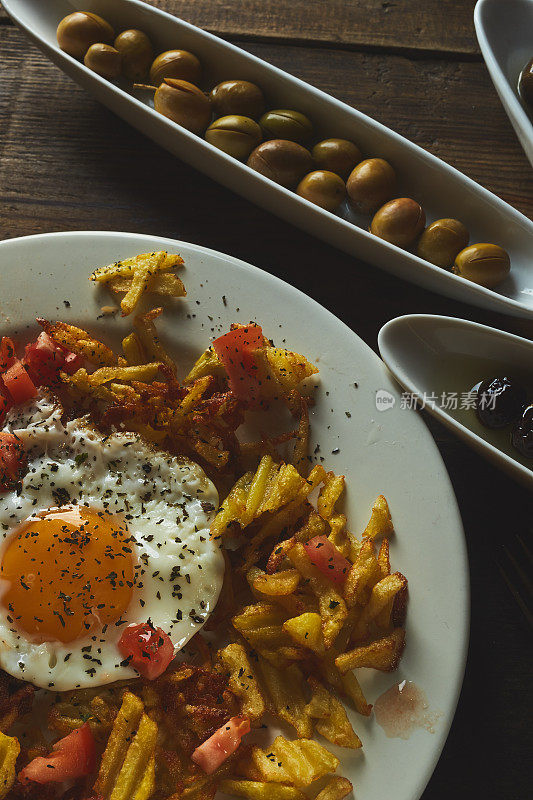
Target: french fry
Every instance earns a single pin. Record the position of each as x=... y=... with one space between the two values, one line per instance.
x=282 y=370
x=127 y=769
x=140 y=270
x=188 y=403
x=128 y=267
x=149 y=339
x=261 y=626
x=384 y=559
x=233 y=506
x=259 y=790
x=363 y=575
x=384 y=591
x=336 y=789
x=242 y=680
x=329 y=494
x=294 y=603
x=208 y=364
x=97 y=707
x=331 y=720
x=285 y=690
x=384 y=654
x=380 y=523
x=164 y=284
x=313 y=526
x=140 y=282
x=332 y=607
x=9 y=751
x=346 y=685
x=297 y=763
x=343 y=540
x=142 y=372
x=306 y=631
x=133 y=350
x=80 y=342
x=286 y=517
x=278 y=584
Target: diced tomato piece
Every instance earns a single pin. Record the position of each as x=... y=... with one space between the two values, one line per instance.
x=12 y=460
x=18 y=383
x=222 y=744
x=149 y=650
x=7 y=353
x=43 y=359
x=5 y=400
x=73 y=362
x=325 y=556
x=71 y=757
x=236 y=352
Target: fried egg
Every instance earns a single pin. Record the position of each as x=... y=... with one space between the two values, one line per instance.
x=102 y=532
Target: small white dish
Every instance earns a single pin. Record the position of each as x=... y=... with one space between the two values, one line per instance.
x=442 y=190
x=435 y=357
x=389 y=452
x=504 y=31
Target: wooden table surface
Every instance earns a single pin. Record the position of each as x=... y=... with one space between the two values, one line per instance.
x=67 y=163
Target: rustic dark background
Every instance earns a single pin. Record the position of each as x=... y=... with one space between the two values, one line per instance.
x=67 y=163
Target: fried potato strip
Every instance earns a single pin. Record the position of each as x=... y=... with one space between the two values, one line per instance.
x=127 y=770
x=384 y=654
x=331 y=720
x=297 y=763
x=259 y=790
x=145 y=272
x=242 y=680
x=149 y=338
x=80 y=342
x=380 y=523
x=336 y=789
x=9 y=751
x=332 y=607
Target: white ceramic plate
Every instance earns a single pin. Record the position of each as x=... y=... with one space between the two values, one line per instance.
x=430 y=354
x=505 y=34
x=389 y=452
x=442 y=190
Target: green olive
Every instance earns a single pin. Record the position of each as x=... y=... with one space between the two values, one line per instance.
x=486 y=264
x=235 y=135
x=399 y=221
x=104 y=60
x=137 y=53
x=282 y=123
x=525 y=83
x=184 y=103
x=325 y=189
x=176 y=64
x=441 y=241
x=336 y=155
x=238 y=97
x=282 y=161
x=371 y=184
x=77 y=32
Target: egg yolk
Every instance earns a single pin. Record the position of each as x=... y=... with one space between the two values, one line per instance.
x=66 y=572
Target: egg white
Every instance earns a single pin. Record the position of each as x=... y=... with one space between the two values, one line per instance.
x=167 y=503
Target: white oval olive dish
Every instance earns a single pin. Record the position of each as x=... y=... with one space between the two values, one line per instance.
x=440 y=359
x=505 y=35
x=442 y=190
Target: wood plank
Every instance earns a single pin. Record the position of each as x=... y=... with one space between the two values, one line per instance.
x=67 y=163
x=445 y=26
